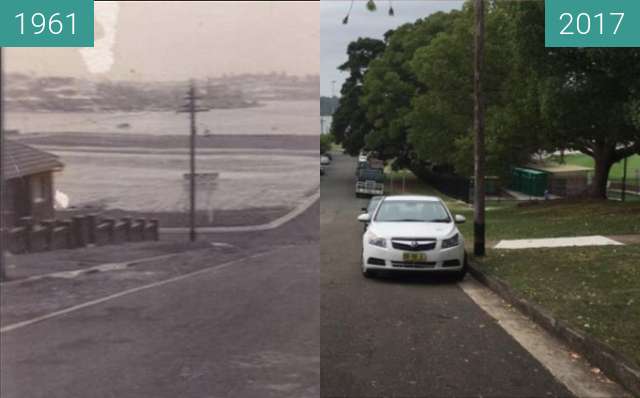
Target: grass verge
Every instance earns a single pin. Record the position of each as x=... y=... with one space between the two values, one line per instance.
x=633 y=164
x=512 y=220
x=595 y=289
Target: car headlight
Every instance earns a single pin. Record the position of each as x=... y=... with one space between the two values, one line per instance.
x=451 y=242
x=377 y=241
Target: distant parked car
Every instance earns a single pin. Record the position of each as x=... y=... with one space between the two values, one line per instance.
x=373 y=202
x=371 y=207
x=413 y=233
x=324 y=160
x=322 y=170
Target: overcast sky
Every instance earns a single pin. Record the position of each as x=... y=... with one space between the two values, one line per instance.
x=178 y=40
x=362 y=23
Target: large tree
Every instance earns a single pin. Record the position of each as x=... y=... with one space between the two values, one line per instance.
x=350 y=124
x=417 y=94
x=587 y=98
x=391 y=84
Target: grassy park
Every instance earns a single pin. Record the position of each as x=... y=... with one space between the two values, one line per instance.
x=633 y=164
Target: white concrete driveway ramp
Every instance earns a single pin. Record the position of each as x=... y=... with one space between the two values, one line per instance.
x=595 y=240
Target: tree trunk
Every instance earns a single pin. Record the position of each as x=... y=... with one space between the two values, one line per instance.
x=603 y=162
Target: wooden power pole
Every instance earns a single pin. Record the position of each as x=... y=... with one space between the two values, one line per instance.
x=191 y=108
x=2 y=154
x=478 y=128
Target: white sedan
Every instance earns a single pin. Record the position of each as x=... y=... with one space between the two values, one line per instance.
x=413 y=233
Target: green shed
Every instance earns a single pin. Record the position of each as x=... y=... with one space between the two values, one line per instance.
x=529 y=181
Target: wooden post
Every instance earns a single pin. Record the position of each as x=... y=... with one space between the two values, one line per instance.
x=127 y=228
x=27 y=224
x=77 y=227
x=624 y=180
x=3 y=231
x=66 y=224
x=192 y=164
x=111 y=229
x=91 y=228
x=478 y=127
x=49 y=226
x=155 y=225
x=142 y=224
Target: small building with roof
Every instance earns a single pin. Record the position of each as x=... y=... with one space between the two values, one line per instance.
x=29 y=182
x=564 y=179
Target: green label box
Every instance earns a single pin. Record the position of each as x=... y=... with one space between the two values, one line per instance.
x=592 y=23
x=46 y=23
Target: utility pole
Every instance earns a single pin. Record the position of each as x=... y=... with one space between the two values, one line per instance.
x=191 y=108
x=3 y=275
x=624 y=180
x=478 y=128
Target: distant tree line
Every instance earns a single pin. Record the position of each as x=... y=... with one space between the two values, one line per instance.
x=409 y=96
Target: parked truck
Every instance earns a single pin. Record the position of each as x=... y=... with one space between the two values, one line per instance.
x=370 y=178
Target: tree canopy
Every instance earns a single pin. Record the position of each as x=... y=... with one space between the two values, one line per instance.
x=411 y=98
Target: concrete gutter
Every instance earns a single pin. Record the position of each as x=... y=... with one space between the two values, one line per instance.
x=301 y=208
x=612 y=363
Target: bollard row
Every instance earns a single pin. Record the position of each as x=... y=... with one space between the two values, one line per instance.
x=81 y=231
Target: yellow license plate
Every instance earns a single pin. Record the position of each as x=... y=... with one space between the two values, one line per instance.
x=414 y=257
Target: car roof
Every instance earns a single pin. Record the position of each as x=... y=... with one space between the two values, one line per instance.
x=412 y=198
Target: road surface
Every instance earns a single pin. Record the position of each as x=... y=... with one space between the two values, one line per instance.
x=200 y=324
x=406 y=336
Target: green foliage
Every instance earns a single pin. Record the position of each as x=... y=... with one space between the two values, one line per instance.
x=350 y=124
x=371 y=5
x=325 y=142
x=390 y=86
x=416 y=96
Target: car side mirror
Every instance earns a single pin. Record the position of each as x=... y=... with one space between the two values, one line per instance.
x=460 y=219
x=364 y=217
x=364 y=209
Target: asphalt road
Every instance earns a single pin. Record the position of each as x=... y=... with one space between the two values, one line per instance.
x=406 y=336
x=245 y=324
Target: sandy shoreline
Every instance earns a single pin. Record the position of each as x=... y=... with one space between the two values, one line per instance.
x=118 y=175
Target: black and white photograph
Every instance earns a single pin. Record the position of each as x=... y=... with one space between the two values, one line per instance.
x=160 y=205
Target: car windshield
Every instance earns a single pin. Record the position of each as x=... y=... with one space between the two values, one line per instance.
x=373 y=203
x=412 y=211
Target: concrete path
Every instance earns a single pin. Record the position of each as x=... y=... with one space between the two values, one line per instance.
x=595 y=240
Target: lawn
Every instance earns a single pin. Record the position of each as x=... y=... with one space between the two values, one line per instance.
x=633 y=164
x=596 y=289
x=508 y=220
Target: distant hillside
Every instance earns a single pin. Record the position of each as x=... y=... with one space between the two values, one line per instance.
x=328 y=105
